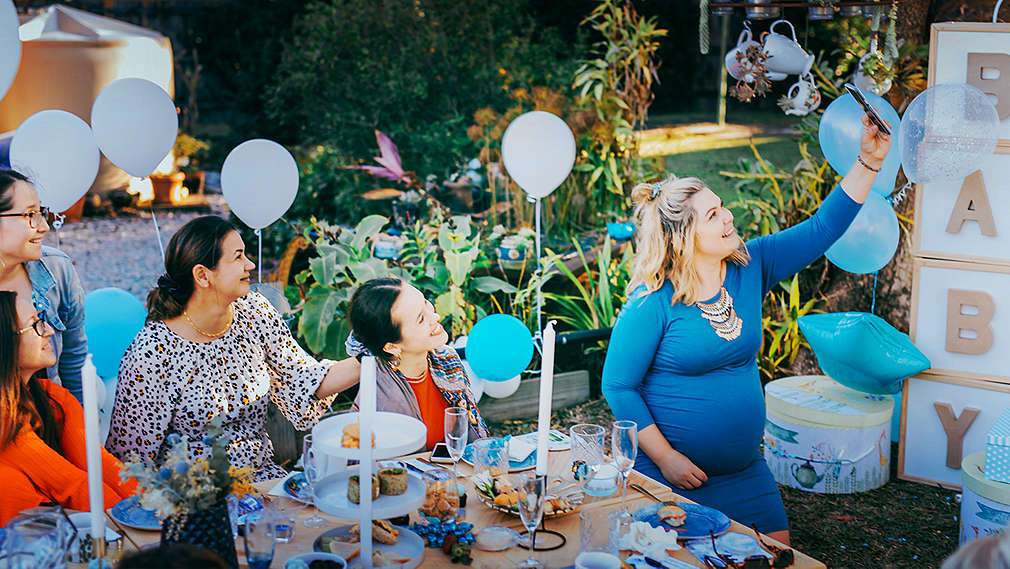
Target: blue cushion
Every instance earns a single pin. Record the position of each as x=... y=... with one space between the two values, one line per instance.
x=862 y=351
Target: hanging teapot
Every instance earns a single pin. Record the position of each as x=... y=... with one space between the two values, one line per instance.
x=785 y=54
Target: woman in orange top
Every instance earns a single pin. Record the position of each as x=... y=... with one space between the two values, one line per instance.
x=42 y=454
x=418 y=374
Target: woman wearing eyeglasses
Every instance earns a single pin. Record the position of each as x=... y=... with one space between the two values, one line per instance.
x=42 y=453
x=42 y=274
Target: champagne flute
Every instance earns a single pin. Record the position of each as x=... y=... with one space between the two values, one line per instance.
x=457 y=426
x=311 y=464
x=532 y=489
x=624 y=446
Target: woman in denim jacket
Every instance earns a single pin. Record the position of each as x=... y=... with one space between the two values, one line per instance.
x=47 y=274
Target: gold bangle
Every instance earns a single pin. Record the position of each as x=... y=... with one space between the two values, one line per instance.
x=867 y=166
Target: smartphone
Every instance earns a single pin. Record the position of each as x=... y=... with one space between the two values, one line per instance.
x=874 y=117
x=440 y=454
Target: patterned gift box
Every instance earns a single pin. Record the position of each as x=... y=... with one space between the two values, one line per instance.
x=997 y=449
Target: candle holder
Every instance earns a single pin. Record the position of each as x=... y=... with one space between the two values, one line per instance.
x=551 y=544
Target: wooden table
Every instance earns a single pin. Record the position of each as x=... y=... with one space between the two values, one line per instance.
x=482 y=516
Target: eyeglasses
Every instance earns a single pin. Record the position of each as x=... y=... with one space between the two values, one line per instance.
x=39 y=325
x=782 y=557
x=34 y=217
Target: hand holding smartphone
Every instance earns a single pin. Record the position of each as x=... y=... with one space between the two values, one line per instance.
x=870 y=111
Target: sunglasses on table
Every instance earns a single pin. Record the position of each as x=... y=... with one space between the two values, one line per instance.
x=783 y=557
x=39 y=325
x=34 y=217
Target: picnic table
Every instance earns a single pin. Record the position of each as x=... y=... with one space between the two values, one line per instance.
x=482 y=516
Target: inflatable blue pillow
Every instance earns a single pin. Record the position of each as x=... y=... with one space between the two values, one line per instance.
x=862 y=351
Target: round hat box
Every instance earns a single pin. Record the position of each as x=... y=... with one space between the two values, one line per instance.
x=985 y=504
x=823 y=437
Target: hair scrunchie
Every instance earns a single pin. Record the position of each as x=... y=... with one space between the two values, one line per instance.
x=167 y=284
x=655 y=190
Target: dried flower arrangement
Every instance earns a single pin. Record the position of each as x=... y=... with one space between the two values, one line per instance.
x=755 y=81
x=187 y=482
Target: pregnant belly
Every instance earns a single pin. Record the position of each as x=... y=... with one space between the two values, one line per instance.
x=716 y=421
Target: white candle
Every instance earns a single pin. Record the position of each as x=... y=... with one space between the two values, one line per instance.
x=366 y=416
x=96 y=497
x=546 y=394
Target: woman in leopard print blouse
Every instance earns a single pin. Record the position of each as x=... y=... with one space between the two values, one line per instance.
x=213 y=348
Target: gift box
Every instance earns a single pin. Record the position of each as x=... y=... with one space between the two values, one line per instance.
x=823 y=437
x=997 y=449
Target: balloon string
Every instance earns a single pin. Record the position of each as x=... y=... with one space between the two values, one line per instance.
x=540 y=270
x=995 y=12
x=899 y=195
x=259 y=258
x=873 y=302
x=157 y=231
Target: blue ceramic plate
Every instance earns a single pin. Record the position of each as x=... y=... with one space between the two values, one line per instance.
x=700 y=520
x=129 y=513
x=514 y=466
x=297 y=487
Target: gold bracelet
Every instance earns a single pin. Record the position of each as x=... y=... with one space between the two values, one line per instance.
x=867 y=166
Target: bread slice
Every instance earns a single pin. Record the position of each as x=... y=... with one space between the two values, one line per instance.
x=673 y=516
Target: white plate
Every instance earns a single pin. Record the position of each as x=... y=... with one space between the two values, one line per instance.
x=331 y=497
x=395 y=435
x=408 y=546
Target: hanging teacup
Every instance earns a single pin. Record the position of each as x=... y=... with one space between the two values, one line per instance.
x=803 y=97
x=737 y=62
x=785 y=54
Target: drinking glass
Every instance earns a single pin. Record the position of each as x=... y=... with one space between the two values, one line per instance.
x=597 y=544
x=457 y=427
x=311 y=464
x=259 y=539
x=587 y=457
x=624 y=446
x=490 y=455
x=34 y=543
x=532 y=489
x=283 y=510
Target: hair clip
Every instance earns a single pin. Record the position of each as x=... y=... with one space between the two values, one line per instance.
x=655 y=190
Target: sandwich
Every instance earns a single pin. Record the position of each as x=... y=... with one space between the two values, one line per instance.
x=673 y=516
x=382 y=532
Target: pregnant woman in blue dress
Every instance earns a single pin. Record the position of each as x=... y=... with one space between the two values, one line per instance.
x=682 y=360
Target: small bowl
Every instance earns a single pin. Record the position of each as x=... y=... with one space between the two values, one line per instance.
x=316 y=556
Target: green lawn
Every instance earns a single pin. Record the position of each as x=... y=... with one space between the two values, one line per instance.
x=706 y=164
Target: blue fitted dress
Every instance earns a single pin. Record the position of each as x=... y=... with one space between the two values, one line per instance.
x=667 y=366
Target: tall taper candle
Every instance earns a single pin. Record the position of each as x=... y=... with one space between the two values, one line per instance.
x=93 y=446
x=546 y=394
x=366 y=417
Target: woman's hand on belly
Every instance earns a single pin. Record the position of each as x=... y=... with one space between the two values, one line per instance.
x=680 y=471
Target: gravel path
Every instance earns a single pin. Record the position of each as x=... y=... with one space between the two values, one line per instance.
x=123 y=252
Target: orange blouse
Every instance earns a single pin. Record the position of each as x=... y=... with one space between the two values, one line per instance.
x=64 y=477
x=433 y=407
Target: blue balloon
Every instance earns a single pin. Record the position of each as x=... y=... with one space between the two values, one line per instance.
x=869 y=243
x=112 y=317
x=499 y=347
x=841 y=129
x=885 y=355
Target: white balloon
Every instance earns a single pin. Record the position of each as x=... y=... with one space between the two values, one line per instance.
x=476 y=383
x=135 y=124
x=259 y=180
x=501 y=389
x=57 y=151
x=10 y=45
x=538 y=150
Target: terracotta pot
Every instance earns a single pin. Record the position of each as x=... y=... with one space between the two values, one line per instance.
x=165 y=186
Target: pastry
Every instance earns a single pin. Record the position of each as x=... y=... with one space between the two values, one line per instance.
x=354 y=488
x=673 y=516
x=352 y=432
x=382 y=532
x=392 y=481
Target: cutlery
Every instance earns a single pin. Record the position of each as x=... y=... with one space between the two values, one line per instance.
x=653 y=496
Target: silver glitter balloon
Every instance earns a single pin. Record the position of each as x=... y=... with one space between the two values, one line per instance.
x=946 y=132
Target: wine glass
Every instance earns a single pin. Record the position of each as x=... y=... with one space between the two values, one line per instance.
x=532 y=489
x=311 y=464
x=457 y=427
x=624 y=446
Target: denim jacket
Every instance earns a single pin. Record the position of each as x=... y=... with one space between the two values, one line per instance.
x=57 y=292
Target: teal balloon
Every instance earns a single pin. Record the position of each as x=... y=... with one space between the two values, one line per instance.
x=499 y=347
x=862 y=351
x=112 y=318
x=869 y=243
x=841 y=129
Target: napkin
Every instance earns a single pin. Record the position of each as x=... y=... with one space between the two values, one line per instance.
x=639 y=562
x=520 y=449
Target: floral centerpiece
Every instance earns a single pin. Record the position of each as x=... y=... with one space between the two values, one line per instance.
x=190 y=490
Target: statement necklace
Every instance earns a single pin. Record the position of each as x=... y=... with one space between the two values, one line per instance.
x=722 y=317
x=231 y=318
